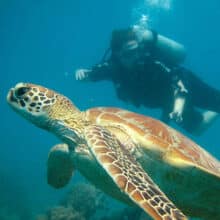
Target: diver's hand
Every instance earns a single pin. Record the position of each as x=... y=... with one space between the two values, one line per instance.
x=177 y=113
x=82 y=74
x=176 y=116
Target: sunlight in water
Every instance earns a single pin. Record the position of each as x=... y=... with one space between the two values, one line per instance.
x=147 y=12
x=163 y=4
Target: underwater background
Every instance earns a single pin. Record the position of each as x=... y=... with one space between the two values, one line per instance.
x=45 y=41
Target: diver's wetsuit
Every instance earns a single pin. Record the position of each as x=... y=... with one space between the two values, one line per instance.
x=152 y=84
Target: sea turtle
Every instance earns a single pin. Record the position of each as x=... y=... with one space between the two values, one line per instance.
x=133 y=158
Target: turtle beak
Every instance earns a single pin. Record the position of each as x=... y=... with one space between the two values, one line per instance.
x=11 y=98
x=15 y=93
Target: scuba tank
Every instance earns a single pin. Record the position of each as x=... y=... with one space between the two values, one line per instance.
x=161 y=47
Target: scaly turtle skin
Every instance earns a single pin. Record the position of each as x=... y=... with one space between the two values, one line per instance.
x=133 y=158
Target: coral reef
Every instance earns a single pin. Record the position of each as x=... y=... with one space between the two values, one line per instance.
x=80 y=203
x=61 y=213
x=85 y=202
x=84 y=198
x=64 y=213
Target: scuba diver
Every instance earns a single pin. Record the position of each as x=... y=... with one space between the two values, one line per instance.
x=145 y=69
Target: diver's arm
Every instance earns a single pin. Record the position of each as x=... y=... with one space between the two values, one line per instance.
x=96 y=73
x=180 y=95
x=178 y=108
x=179 y=92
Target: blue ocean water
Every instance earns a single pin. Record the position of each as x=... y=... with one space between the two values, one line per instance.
x=44 y=42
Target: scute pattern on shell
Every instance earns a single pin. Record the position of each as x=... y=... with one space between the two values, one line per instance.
x=128 y=174
x=172 y=144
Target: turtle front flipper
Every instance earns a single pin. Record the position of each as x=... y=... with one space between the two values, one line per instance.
x=59 y=166
x=129 y=176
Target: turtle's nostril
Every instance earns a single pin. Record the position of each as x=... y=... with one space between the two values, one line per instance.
x=21 y=91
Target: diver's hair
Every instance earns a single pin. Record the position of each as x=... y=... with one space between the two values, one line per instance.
x=121 y=36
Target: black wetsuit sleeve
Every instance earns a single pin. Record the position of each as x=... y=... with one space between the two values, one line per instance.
x=102 y=71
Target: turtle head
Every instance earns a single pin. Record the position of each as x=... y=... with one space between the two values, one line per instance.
x=43 y=107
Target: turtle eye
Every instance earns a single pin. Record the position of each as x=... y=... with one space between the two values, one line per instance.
x=21 y=91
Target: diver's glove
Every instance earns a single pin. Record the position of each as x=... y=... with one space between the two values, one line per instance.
x=82 y=74
x=180 y=95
